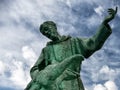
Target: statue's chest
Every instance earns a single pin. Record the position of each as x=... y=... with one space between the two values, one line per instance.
x=61 y=51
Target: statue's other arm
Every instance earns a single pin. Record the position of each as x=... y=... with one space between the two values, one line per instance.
x=94 y=43
x=39 y=65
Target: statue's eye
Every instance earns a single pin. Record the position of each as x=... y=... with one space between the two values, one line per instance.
x=45 y=28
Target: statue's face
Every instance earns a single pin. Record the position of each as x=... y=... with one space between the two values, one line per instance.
x=50 y=31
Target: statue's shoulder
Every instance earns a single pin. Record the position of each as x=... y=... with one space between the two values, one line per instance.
x=64 y=38
x=79 y=39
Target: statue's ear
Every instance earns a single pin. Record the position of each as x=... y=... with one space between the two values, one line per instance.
x=42 y=65
x=116 y=9
x=41 y=28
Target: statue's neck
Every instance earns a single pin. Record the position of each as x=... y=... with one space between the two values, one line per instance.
x=61 y=38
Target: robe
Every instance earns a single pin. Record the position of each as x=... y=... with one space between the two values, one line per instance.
x=55 y=52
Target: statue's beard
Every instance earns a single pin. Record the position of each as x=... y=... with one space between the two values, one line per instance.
x=54 y=37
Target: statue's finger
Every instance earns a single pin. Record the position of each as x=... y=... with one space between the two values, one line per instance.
x=110 y=9
x=116 y=9
x=110 y=12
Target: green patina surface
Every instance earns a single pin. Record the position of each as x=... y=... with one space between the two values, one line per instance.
x=59 y=64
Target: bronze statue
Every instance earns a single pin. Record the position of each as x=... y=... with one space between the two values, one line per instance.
x=59 y=64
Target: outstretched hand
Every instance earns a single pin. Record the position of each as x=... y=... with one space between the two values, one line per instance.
x=112 y=12
x=111 y=15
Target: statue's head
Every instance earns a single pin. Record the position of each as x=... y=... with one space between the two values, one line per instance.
x=49 y=29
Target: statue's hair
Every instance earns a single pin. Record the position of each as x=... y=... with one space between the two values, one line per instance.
x=47 y=23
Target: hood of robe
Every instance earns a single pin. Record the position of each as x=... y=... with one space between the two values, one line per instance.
x=63 y=38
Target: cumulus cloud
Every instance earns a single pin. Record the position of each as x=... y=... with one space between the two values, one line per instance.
x=99 y=87
x=18 y=74
x=29 y=55
x=107 y=73
x=13 y=74
x=2 y=67
x=99 y=10
x=109 y=85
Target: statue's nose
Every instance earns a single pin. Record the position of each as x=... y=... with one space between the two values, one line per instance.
x=46 y=32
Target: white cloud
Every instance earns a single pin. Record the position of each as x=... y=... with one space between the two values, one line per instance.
x=18 y=76
x=2 y=68
x=106 y=69
x=29 y=55
x=107 y=73
x=104 y=73
x=99 y=87
x=99 y=10
x=13 y=73
x=110 y=85
x=68 y=3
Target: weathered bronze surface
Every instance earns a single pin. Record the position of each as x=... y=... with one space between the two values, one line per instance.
x=59 y=64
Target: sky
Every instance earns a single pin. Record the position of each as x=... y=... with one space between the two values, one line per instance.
x=21 y=42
